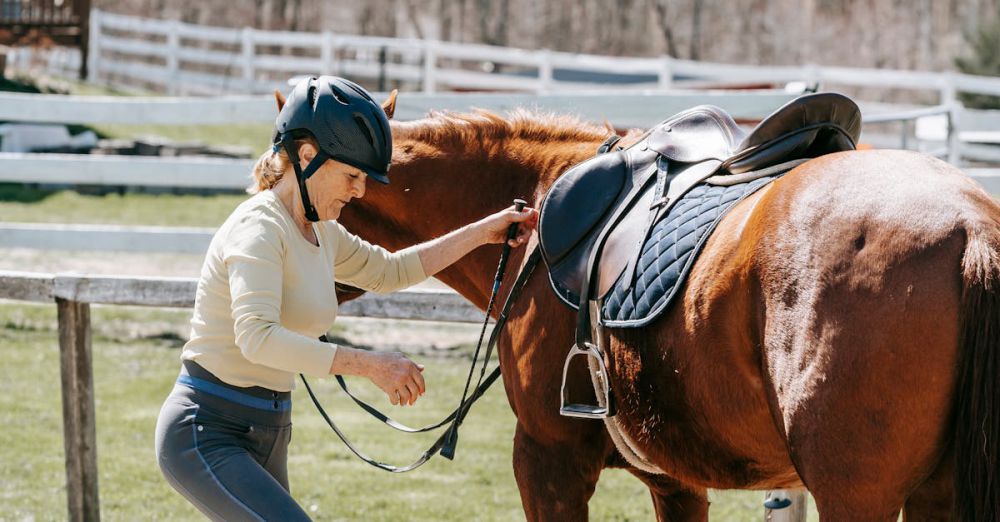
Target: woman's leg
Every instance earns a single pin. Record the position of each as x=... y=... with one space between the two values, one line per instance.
x=204 y=456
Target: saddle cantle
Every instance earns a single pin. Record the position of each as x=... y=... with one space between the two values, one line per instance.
x=597 y=216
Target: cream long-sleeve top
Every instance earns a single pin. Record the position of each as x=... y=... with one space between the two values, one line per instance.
x=266 y=294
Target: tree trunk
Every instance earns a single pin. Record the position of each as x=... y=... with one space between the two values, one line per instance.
x=695 y=51
x=660 y=10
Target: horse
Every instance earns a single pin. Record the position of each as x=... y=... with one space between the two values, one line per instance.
x=838 y=332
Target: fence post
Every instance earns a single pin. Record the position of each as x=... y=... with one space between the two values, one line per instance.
x=248 y=50
x=544 y=71
x=93 y=56
x=954 y=139
x=666 y=74
x=949 y=98
x=79 y=426
x=173 y=46
x=430 y=66
x=796 y=512
x=326 y=53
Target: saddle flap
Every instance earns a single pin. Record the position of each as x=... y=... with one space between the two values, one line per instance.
x=697 y=134
x=577 y=202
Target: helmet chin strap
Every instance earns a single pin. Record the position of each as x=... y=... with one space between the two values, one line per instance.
x=302 y=176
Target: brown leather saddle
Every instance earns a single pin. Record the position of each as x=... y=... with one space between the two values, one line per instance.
x=595 y=217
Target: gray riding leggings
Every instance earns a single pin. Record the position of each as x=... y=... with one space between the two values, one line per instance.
x=225 y=448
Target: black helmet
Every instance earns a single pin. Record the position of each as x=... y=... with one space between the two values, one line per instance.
x=348 y=125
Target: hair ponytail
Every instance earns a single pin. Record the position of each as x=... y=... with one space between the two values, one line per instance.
x=272 y=165
x=268 y=170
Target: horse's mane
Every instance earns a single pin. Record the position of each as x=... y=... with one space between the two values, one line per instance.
x=445 y=127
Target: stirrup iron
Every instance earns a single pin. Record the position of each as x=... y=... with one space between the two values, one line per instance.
x=605 y=406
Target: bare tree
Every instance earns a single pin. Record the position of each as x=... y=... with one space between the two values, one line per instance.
x=695 y=50
x=663 y=22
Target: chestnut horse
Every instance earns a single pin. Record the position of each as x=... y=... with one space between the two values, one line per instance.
x=838 y=332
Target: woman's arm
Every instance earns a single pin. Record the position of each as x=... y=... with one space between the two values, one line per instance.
x=373 y=268
x=437 y=254
x=397 y=376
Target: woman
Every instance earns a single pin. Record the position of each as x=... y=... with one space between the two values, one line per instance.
x=266 y=293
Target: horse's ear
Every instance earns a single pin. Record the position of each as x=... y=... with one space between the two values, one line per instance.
x=280 y=98
x=389 y=106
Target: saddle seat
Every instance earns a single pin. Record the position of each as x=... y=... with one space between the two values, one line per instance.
x=700 y=143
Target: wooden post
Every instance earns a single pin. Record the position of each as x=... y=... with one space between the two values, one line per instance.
x=79 y=427
x=82 y=8
x=544 y=71
x=954 y=139
x=326 y=54
x=173 y=61
x=430 y=66
x=793 y=513
x=92 y=54
x=248 y=50
x=665 y=76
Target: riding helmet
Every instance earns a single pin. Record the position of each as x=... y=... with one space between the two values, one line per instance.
x=348 y=124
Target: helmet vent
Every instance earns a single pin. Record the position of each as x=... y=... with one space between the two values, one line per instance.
x=312 y=96
x=360 y=91
x=339 y=95
x=363 y=125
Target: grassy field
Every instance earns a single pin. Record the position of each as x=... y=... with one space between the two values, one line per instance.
x=252 y=135
x=66 y=206
x=135 y=362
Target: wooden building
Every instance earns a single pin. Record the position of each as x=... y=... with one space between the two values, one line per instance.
x=45 y=23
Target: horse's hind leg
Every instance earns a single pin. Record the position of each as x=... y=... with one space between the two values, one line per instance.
x=934 y=498
x=674 y=501
x=556 y=479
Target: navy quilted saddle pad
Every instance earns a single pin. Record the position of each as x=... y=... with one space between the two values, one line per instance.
x=669 y=253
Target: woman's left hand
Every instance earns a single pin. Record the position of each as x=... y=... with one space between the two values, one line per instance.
x=496 y=225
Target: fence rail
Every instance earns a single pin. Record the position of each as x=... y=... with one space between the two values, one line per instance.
x=635 y=109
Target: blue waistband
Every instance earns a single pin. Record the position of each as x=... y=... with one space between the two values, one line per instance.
x=233 y=395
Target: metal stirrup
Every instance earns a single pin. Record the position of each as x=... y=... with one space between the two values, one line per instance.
x=605 y=406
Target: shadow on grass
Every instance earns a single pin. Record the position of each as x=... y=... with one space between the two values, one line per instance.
x=170 y=340
x=21 y=193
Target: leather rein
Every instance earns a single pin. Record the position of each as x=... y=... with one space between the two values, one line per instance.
x=447 y=442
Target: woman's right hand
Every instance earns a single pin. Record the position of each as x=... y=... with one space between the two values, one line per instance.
x=399 y=377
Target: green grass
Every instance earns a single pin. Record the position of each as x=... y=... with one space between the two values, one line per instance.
x=18 y=203
x=256 y=136
x=135 y=361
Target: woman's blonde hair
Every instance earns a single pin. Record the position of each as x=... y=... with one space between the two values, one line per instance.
x=272 y=165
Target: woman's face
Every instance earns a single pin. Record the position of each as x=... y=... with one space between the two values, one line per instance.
x=334 y=185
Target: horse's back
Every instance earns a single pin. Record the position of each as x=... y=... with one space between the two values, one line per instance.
x=859 y=260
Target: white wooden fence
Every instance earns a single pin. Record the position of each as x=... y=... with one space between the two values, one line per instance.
x=176 y=57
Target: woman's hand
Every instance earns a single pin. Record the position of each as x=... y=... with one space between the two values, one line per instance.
x=495 y=226
x=439 y=253
x=399 y=377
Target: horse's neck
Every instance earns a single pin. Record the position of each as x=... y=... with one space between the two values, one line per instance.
x=431 y=196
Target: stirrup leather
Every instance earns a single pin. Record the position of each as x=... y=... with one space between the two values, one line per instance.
x=605 y=406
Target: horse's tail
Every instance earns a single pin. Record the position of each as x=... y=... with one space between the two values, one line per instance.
x=977 y=415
